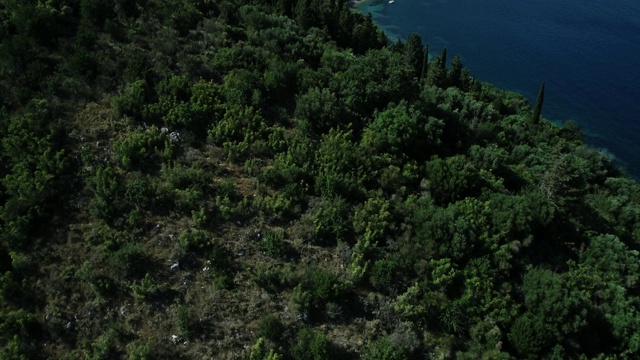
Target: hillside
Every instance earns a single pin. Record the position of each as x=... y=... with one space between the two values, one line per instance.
x=271 y=180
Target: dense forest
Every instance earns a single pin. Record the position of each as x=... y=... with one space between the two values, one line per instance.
x=265 y=179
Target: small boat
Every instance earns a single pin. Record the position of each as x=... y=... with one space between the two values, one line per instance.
x=392 y=1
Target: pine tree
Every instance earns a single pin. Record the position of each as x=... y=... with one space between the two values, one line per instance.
x=535 y=118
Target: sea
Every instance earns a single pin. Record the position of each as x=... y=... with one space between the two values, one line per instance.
x=586 y=52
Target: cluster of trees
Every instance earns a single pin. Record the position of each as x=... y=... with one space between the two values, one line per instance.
x=173 y=171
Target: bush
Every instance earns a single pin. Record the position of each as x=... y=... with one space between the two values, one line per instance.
x=140 y=350
x=142 y=150
x=132 y=100
x=107 y=191
x=129 y=257
x=146 y=288
x=187 y=322
x=311 y=345
x=316 y=288
x=273 y=244
x=332 y=222
x=271 y=328
x=260 y=351
x=272 y=279
x=193 y=240
x=382 y=349
x=385 y=275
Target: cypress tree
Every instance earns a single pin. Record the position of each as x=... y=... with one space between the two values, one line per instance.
x=425 y=62
x=535 y=118
x=444 y=59
x=414 y=53
x=455 y=74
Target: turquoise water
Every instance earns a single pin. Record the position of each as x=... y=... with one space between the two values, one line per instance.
x=587 y=52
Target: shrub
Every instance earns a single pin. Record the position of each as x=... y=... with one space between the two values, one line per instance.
x=131 y=101
x=140 y=350
x=271 y=328
x=187 y=322
x=193 y=240
x=316 y=288
x=145 y=149
x=272 y=279
x=382 y=349
x=146 y=288
x=273 y=244
x=331 y=221
x=310 y=345
x=259 y=351
x=107 y=191
x=130 y=258
x=384 y=275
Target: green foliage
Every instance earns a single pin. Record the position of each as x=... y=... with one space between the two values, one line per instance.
x=316 y=288
x=338 y=170
x=241 y=130
x=144 y=149
x=612 y=260
x=146 y=288
x=331 y=222
x=450 y=179
x=403 y=130
x=271 y=328
x=128 y=257
x=259 y=351
x=371 y=223
x=551 y=302
x=194 y=240
x=382 y=349
x=273 y=244
x=132 y=100
x=537 y=108
x=447 y=221
x=414 y=53
x=273 y=279
x=310 y=345
x=140 y=350
x=34 y=166
x=19 y=323
x=106 y=346
x=102 y=286
x=376 y=79
x=107 y=190
x=385 y=274
x=319 y=110
x=530 y=336
x=186 y=321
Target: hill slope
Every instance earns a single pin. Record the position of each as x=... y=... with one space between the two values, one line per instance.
x=268 y=179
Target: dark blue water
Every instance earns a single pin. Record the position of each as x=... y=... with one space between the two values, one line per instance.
x=587 y=52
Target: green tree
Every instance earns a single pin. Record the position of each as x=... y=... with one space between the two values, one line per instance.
x=414 y=53
x=458 y=75
x=425 y=63
x=537 y=108
x=319 y=110
x=450 y=179
x=311 y=345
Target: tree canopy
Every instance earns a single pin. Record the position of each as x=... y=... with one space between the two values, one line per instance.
x=274 y=180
